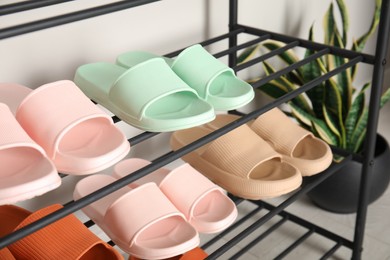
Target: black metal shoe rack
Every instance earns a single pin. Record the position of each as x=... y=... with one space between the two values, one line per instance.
x=378 y=61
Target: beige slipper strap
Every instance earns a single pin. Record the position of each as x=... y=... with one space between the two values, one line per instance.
x=279 y=130
x=239 y=151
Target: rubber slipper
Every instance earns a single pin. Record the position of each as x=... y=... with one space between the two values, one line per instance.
x=75 y=134
x=240 y=162
x=297 y=146
x=141 y=221
x=195 y=254
x=148 y=96
x=25 y=170
x=65 y=239
x=204 y=204
x=5 y=254
x=213 y=80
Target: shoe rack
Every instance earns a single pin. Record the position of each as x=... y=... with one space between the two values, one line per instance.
x=378 y=61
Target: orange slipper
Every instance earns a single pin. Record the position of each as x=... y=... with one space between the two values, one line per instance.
x=195 y=254
x=5 y=254
x=65 y=239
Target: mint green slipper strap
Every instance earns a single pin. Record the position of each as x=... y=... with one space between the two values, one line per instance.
x=198 y=68
x=136 y=89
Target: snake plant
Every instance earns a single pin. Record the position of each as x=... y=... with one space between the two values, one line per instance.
x=335 y=110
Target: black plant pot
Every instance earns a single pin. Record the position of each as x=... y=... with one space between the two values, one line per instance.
x=339 y=193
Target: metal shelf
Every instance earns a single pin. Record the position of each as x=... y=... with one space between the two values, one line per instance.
x=272 y=211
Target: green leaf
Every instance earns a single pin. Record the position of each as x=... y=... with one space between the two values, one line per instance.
x=361 y=42
x=283 y=81
x=355 y=112
x=331 y=121
x=324 y=132
x=344 y=19
x=312 y=71
x=359 y=131
x=319 y=126
x=247 y=54
x=358 y=135
x=273 y=89
x=333 y=103
x=288 y=57
x=385 y=97
x=344 y=81
x=329 y=25
x=354 y=68
x=333 y=100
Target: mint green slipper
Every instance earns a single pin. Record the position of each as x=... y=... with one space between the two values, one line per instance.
x=149 y=96
x=215 y=82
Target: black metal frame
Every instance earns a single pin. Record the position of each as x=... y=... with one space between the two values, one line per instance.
x=378 y=61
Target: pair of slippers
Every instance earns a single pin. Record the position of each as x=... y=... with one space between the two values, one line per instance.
x=52 y=128
x=65 y=239
x=264 y=158
x=157 y=216
x=160 y=94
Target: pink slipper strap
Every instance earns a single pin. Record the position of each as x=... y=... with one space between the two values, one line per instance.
x=66 y=238
x=185 y=187
x=275 y=127
x=136 y=210
x=239 y=152
x=50 y=111
x=11 y=133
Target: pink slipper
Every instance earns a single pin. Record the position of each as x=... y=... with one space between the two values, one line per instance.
x=75 y=134
x=141 y=221
x=204 y=204
x=297 y=146
x=25 y=170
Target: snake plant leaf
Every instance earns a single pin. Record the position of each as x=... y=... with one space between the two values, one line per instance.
x=300 y=100
x=247 y=54
x=310 y=71
x=360 y=128
x=354 y=68
x=344 y=80
x=329 y=24
x=344 y=19
x=318 y=125
x=358 y=135
x=289 y=58
x=355 y=112
x=333 y=99
x=333 y=110
x=374 y=24
x=331 y=121
x=358 y=45
x=385 y=97
x=274 y=89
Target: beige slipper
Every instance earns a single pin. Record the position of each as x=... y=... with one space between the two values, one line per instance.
x=297 y=146
x=240 y=162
